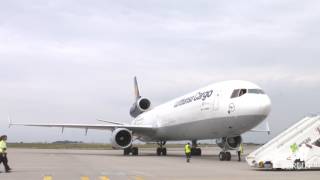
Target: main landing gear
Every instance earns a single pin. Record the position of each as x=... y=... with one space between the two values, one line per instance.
x=161 y=150
x=224 y=156
x=131 y=150
x=195 y=151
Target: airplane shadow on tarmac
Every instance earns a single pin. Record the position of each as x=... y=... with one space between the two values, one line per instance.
x=211 y=157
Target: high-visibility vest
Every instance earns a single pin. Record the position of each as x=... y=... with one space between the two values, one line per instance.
x=187 y=148
x=3 y=146
x=241 y=149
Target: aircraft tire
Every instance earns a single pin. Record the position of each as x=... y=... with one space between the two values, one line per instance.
x=196 y=151
x=228 y=156
x=135 y=151
x=164 y=151
x=222 y=156
x=159 y=151
x=126 y=151
x=199 y=151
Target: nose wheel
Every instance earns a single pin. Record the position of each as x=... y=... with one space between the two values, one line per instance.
x=224 y=156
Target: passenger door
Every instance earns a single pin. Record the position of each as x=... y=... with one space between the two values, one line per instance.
x=216 y=102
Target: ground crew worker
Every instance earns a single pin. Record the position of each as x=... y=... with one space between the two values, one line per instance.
x=187 y=150
x=3 y=153
x=240 y=151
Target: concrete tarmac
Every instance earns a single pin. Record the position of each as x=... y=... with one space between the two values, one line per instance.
x=40 y=164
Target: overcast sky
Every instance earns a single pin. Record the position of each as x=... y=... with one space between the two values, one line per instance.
x=72 y=61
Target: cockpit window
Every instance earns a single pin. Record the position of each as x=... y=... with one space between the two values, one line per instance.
x=235 y=93
x=242 y=92
x=255 y=91
x=238 y=93
x=317 y=143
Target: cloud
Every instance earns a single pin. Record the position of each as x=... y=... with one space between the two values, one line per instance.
x=66 y=61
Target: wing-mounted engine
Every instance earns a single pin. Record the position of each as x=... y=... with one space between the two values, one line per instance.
x=229 y=143
x=141 y=105
x=121 y=138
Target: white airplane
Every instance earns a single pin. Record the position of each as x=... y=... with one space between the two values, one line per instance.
x=221 y=111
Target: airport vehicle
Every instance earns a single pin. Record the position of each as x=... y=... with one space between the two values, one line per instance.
x=221 y=111
x=298 y=147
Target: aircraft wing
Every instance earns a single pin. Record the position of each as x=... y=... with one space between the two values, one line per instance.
x=134 y=128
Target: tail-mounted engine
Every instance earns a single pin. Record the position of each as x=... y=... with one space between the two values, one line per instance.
x=142 y=105
x=121 y=138
x=229 y=143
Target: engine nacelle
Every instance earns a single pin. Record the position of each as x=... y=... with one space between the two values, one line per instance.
x=139 y=107
x=121 y=138
x=229 y=143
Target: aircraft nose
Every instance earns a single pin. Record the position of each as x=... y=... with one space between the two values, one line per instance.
x=265 y=106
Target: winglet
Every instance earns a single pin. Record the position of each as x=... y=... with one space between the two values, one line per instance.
x=136 y=88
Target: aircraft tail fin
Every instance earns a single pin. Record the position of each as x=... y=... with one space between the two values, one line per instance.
x=141 y=104
x=136 y=89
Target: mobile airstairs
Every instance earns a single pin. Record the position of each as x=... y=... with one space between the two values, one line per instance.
x=298 y=147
